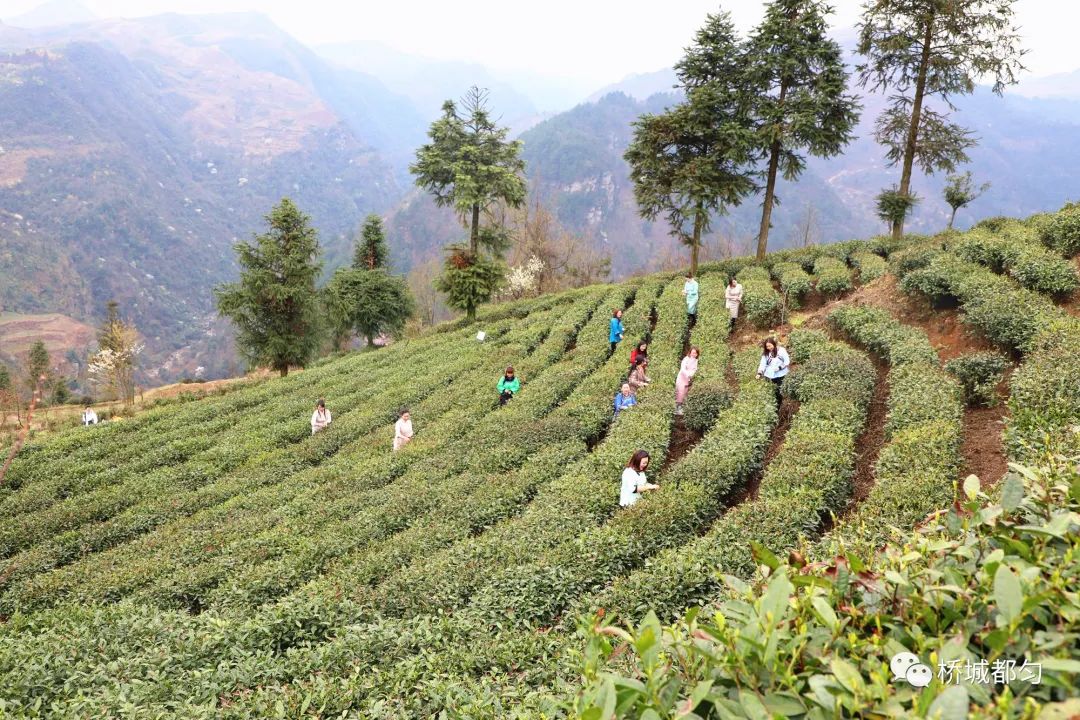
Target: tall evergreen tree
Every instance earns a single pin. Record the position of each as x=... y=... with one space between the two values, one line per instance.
x=922 y=49
x=801 y=103
x=371 y=251
x=5 y=379
x=367 y=298
x=697 y=158
x=107 y=332
x=275 y=306
x=38 y=363
x=470 y=165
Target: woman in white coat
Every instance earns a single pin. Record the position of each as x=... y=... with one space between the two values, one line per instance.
x=634 y=482
x=732 y=300
x=403 y=431
x=320 y=418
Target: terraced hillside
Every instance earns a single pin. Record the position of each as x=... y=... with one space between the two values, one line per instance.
x=216 y=559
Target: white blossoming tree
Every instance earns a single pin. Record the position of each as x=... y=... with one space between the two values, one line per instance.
x=523 y=280
x=113 y=366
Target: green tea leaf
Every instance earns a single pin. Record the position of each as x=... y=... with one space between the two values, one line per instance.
x=952 y=704
x=1008 y=595
x=1012 y=492
x=847 y=675
x=763 y=556
x=971 y=487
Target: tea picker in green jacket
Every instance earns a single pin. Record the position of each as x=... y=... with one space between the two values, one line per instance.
x=690 y=290
x=508 y=386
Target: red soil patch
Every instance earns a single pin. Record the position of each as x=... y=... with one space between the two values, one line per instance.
x=983 y=447
x=682 y=442
x=947 y=333
x=872 y=438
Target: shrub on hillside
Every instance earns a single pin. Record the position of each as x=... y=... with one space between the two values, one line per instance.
x=1015 y=250
x=979 y=375
x=913 y=258
x=761 y=303
x=794 y=282
x=877 y=330
x=869 y=265
x=1044 y=399
x=833 y=276
x=1061 y=230
x=816 y=641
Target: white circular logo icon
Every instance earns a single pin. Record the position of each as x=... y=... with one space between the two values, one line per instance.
x=901 y=663
x=919 y=675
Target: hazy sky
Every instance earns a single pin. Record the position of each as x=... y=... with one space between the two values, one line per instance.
x=596 y=40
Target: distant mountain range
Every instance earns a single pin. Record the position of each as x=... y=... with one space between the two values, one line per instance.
x=134 y=153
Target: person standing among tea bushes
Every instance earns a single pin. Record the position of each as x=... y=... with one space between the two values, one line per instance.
x=732 y=300
x=320 y=418
x=687 y=370
x=403 y=431
x=634 y=482
x=774 y=363
x=508 y=386
x=690 y=290
x=615 y=331
x=641 y=351
x=89 y=417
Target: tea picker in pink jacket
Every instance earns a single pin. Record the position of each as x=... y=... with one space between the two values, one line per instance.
x=687 y=370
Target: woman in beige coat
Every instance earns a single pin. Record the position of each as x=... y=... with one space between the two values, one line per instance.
x=732 y=300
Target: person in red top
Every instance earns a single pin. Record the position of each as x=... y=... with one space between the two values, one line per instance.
x=641 y=351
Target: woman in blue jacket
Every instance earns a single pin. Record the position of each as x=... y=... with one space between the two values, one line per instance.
x=615 y=334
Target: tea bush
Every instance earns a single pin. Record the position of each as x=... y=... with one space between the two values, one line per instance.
x=869 y=265
x=979 y=375
x=985 y=581
x=761 y=302
x=1015 y=249
x=832 y=275
x=794 y=282
x=1060 y=231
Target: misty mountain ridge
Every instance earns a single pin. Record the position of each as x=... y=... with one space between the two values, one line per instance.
x=136 y=152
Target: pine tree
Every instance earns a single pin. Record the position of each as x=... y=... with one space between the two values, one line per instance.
x=470 y=165
x=366 y=298
x=5 y=379
x=371 y=251
x=107 y=332
x=38 y=362
x=697 y=158
x=922 y=49
x=801 y=103
x=275 y=306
